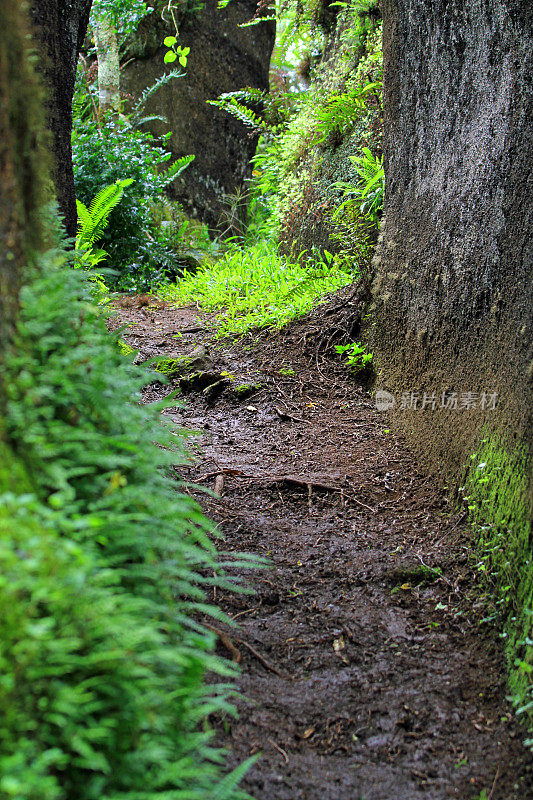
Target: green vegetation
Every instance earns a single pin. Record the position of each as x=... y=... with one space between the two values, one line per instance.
x=367 y=195
x=496 y=491
x=257 y=288
x=104 y=565
x=356 y=357
x=109 y=144
x=103 y=569
x=93 y=221
x=105 y=153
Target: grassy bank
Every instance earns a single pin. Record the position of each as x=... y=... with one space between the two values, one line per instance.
x=496 y=491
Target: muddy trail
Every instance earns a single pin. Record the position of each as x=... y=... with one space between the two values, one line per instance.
x=367 y=673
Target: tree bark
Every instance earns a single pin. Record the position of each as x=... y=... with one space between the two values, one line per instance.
x=23 y=165
x=60 y=27
x=453 y=292
x=105 y=36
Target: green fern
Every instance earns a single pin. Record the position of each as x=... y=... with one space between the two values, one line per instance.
x=176 y=169
x=136 y=119
x=268 y=122
x=94 y=220
x=368 y=194
x=342 y=110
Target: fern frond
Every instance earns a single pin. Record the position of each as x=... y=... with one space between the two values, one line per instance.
x=84 y=216
x=176 y=169
x=138 y=108
x=92 y=221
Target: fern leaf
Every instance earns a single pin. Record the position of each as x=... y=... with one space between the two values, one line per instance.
x=92 y=221
x=176 y=169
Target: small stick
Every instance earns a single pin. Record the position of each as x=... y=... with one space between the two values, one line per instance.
x=197 y=329
x=432 y=569
x=246 y=611
x=363 y=505
x=263 y=660
x=216 y=473
x=494 y=783
x=228 y=644
x=286 y=415
x=226 y=641
x=280 y=750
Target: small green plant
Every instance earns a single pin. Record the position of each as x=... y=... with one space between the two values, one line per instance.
x=175 y=51
x=93 y=220
x=257 y=288
x=355 y=356
x=367 y=194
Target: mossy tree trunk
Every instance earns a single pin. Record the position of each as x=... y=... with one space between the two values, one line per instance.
x=23 y=165
x=60 y=27
x=105 y=36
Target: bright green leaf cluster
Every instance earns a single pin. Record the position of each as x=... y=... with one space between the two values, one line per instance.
x=175 y=52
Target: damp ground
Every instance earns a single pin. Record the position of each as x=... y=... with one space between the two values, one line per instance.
x=367 y=671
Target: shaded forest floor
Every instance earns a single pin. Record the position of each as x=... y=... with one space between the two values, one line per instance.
x=366 y=673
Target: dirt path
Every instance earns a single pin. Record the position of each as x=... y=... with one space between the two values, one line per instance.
x=366 y=672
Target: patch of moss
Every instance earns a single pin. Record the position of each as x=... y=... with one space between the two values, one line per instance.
x=246 y=389
x=172 y=366
x=497 y=491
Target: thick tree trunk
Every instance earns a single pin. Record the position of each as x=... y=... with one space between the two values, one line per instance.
x=105 y=36
x=23 y=167
x=453 y=289
x=61 y=26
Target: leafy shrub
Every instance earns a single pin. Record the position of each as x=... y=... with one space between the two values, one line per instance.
x=105 y=154
x=102 y=566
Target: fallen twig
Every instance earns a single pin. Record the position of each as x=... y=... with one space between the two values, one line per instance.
x=196 y=329
x=228 y=644
x=246 y=611
x=494 y=783
x=219 y=484
x=279 y=749
x=263 y=660
x=226 y=641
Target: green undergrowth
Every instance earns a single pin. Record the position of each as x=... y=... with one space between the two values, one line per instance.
x=497 y=494
x=257 y=288
x=103 y=572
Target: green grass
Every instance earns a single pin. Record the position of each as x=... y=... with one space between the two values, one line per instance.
x=257 y=288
